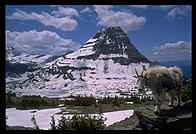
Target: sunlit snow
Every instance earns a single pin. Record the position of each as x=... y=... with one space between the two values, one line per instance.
x=43 y=117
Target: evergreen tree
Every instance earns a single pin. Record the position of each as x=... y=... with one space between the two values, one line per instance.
x=34 y=123
x=52 y=123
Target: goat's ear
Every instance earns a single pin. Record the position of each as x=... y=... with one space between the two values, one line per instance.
x=145 y=75
x=136 y=72
x=142 y=73
x=135 y=76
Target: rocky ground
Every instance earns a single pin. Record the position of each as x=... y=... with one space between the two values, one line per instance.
x=176 y=118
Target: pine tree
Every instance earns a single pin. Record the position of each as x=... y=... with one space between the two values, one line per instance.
x=52 y=123
x=34 y=123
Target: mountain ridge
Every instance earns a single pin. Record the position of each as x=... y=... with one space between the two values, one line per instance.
x=103 y=66
x=111 y=41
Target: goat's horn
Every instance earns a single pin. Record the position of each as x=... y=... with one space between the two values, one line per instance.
x=136 y=72
x=145 y=75
x=142 y=73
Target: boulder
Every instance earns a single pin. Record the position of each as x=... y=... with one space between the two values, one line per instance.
x=177 y=117
x=144 y=118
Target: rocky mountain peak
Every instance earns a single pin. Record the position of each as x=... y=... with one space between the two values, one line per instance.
x=113 y=41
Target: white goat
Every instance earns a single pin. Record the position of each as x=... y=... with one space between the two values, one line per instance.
x=162 y=80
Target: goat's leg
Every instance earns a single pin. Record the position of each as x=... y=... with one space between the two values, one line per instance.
x=171 y=98
x=157 y=107
x=157 y=104
x=179 y=100
x=178 y=93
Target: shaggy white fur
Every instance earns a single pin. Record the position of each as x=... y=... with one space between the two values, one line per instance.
x=162 y=80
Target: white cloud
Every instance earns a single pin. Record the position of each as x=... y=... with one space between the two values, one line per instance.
x=140 y=6
x=155 y=53
x=86 y=10
x=126 y=20
x=65 y=12
x=180 y=50
x=63 y=23
x=176 y=11
x=103 y=7
x=39 y=42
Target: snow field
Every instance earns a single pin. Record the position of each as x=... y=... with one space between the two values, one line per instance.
x=108 y=78
x=25 y=58
x=43 y=117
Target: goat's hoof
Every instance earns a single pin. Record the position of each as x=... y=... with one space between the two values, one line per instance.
x=156 y=112
x=170 y=105
x=179 y=105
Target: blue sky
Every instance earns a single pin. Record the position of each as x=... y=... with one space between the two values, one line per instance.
x=159 y=32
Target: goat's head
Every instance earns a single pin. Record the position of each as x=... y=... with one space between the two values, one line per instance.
x=141 y=80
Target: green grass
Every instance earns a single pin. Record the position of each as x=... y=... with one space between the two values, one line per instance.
x=31 y=102
x=98 y=108
x=85 y=104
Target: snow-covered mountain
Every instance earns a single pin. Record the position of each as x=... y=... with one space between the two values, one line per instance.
x=111 y=43
x=14 y=56
x=18 y=63
x=103 y=66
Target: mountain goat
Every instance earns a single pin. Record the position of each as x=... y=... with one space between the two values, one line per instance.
x=162 y=80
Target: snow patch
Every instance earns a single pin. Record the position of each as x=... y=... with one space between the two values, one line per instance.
x=25 y=58
x=113 y=117
x=43 y=117
x=91 y=40
x=113 y=55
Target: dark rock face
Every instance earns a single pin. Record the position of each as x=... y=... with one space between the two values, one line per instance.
x=176 y=118
x=114 y=41
x=20 y=68
x=170 y=118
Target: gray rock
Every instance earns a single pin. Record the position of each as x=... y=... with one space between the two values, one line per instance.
x=175 y=118
x=168 y=118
